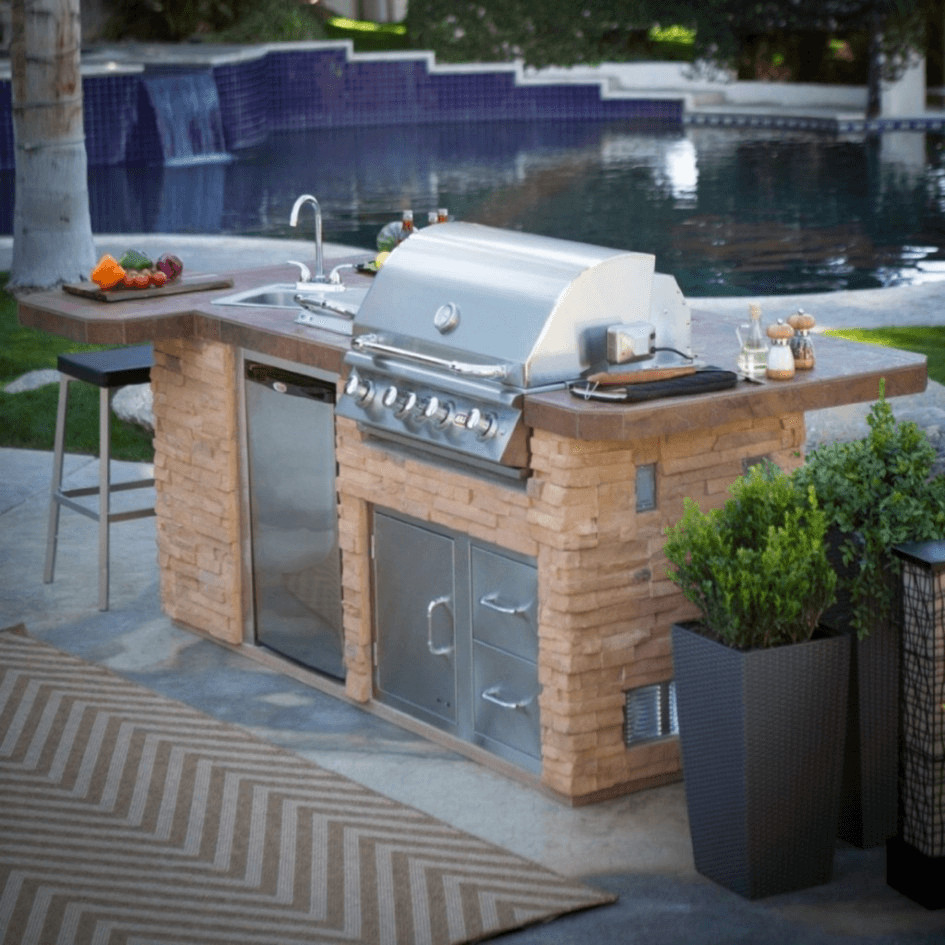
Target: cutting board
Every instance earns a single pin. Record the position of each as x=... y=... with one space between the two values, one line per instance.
x=642 y=376
x=186 y=283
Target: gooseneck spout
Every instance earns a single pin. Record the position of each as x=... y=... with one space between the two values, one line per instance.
x=319 y=252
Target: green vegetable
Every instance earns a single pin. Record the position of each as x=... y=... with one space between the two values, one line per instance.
x=135 y=260
x=389 y=236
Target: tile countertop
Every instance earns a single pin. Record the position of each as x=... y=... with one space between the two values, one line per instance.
x=846 y=372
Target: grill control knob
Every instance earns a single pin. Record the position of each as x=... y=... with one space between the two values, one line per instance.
x=401 y=404
x=483 y=425
x=359 y=390
x=438 y=413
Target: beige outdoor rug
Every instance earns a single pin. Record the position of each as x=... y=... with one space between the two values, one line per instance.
x=127 y=817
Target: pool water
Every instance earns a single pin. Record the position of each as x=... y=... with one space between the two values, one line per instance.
x=726 y=211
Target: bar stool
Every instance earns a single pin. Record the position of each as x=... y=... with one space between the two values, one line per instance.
x=107 y=370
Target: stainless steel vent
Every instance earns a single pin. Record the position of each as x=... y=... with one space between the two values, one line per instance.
x=650 y=713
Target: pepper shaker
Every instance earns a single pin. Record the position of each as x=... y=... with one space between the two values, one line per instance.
x=780 y=357
x=801 y=344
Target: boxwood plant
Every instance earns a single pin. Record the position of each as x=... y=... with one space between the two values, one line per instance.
x=876 y=492
x=757 y=567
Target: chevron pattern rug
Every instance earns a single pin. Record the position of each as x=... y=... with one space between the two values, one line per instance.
x=126 y=817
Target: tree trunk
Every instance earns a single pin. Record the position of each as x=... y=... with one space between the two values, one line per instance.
x=52 y=230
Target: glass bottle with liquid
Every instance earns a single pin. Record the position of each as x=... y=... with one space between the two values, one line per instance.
x=753 y=346
x=406 y=225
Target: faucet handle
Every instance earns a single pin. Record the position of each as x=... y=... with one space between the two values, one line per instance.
x=305 y=274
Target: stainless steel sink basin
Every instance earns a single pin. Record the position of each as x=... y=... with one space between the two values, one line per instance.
x=331 y=308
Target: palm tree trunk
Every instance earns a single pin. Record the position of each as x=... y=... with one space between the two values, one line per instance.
x=52 y=230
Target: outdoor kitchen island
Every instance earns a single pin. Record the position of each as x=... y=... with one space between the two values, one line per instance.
x=582 y=526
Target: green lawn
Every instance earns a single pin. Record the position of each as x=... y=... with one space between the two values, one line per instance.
x=927 y=341
x=28 y=420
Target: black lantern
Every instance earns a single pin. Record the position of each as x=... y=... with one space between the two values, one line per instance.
x=915 y=858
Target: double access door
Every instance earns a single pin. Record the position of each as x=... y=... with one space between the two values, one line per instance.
x=456 y=635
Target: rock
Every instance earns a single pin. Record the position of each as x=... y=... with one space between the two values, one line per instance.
x=135 y=404
x=32 y=380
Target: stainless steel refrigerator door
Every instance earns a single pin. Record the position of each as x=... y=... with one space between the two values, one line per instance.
x=293 y=517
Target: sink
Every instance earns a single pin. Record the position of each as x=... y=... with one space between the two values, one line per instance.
x=332 y=308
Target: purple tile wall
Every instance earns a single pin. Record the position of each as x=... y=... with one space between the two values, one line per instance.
x=292 y=89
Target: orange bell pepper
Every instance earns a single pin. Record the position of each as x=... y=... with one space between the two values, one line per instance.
x=107 y=273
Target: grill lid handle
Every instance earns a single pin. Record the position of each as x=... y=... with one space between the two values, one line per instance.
x=371 y=343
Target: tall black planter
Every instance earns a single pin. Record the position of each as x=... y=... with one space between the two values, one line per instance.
x=762 y=735
x=869 y=794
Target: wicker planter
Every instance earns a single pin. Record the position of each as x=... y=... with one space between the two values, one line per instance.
x=762 y=736
x=869 y=794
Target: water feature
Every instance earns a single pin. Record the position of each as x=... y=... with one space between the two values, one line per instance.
x=728 y=212
x=187 y=115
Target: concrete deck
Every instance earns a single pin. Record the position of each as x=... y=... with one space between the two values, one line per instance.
x=637 y=847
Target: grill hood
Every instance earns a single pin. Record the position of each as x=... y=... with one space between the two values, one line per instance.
x=480 y=295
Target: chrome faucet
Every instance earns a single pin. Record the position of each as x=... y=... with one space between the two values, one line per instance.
x=319 y=252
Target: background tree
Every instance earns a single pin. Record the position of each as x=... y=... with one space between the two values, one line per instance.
x=559 y=33
x=893 y=32
x=52 y=230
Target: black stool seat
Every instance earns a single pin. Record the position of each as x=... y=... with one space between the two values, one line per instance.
x=106 y=370
x=116 y=367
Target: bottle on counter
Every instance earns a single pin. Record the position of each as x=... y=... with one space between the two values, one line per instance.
x=406 y=225
x=442 y=215
x=432 y=217
x=753 y=352
x=801 y=344
x=780 y=357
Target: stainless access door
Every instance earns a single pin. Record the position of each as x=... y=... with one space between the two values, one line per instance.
x=417 y=607
x=293 y=516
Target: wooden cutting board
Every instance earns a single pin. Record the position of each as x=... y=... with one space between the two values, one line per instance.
x=186 y=283
x=642 y=376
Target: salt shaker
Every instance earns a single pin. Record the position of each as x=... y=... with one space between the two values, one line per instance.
x=801 y=344
x=780 y=357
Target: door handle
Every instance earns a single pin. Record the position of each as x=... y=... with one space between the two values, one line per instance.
x=492 y=695
x=494 y=602
x=431 y=609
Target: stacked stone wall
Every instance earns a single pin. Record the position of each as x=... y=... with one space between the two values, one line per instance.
x=196 y=471
x=605 y=603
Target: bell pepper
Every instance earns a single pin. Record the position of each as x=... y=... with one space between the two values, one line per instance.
x=107 y=272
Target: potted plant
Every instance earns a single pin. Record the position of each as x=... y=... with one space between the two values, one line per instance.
x=876 y=492
x=760 y=688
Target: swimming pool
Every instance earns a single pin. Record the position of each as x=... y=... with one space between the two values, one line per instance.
x=727 y=211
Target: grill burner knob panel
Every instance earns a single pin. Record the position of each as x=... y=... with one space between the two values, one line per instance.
x=361 y=391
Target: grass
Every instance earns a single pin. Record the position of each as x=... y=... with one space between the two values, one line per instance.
x=927 y=341
x=368 y=36
x=28 y=419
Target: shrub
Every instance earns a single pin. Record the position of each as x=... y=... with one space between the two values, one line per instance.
x=877 y=491
x=756 y=567
x=562 y=34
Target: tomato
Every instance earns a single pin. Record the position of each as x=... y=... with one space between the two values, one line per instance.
x=158 y=278
x=142 y=279
x=128 y=280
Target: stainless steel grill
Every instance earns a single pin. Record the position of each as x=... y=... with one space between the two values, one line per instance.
x=463 y=320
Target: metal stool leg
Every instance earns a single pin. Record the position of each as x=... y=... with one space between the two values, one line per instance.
x=104 y=493
x=52 y=530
